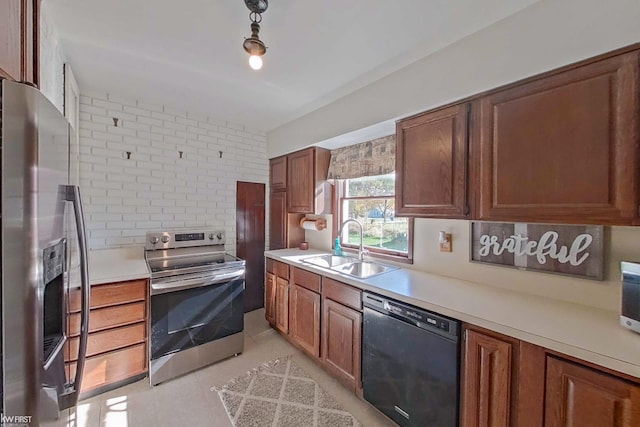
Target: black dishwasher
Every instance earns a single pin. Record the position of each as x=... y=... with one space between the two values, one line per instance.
x=410 y=363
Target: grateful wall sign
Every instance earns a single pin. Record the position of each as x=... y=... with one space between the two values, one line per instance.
x=575 y=250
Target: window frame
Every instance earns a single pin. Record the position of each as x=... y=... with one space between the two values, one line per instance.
x=339 y=186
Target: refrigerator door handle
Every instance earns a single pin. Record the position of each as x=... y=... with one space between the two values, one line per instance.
x=70 y=396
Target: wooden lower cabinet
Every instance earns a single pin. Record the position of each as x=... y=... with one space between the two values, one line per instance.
x=578 y=396
x=270 y=298
x=282 y=305
x=117 y=341
x=507 y=382
x=113 y=367
x=486 y=390
x=342 y=342
x=277 y=294
x=304 y=319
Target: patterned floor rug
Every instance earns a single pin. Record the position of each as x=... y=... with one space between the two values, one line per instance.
x=280 y=394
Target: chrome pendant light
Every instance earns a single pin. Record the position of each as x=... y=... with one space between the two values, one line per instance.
x=253 y=45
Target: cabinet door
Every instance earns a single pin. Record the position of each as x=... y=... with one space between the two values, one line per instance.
x=304 y=319
x=270 y=298
x=341 y=341
x=486 y=386
x=19 y=40
x=278 y=173
x=282 y=305
x=563 y=148
x=300 y=181
x=431 y=161
x=11 y=39
x=577 y=396
x=278 y=220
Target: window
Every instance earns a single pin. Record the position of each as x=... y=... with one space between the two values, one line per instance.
x=371 y=201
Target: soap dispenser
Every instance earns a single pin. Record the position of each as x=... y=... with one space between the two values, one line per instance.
x=337 y=249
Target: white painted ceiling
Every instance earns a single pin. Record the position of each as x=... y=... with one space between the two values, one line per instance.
x=188 y=53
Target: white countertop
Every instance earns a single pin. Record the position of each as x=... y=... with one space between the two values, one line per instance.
x=587 y=333
x=117 y=265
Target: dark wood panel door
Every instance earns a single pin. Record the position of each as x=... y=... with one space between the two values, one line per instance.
x=304 y=319
x=341 y=342
x=577 y=396
x=486 y=390
x=563 y=148
x=300 y=181
x=278 y=173
x=250 y=240
x=282 y=305
x=270 y=298
x=431 y=164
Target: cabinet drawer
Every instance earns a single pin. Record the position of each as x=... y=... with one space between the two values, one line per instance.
x=111 y=339
x=281 y=269
x=109 y=317
x=111 y=294
x=111 y=367
x=306 y=279
x=270 y=265
x=342 y=293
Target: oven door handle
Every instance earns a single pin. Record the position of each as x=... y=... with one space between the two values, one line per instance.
x=178 y=285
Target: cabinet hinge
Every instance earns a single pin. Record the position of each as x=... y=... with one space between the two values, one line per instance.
x=638 y=210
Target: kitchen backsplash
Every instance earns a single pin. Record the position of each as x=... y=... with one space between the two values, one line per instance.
x=158 y=187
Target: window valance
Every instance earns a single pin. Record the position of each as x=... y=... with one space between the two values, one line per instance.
x=375 y=157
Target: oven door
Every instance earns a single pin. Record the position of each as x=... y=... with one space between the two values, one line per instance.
x=193 y=316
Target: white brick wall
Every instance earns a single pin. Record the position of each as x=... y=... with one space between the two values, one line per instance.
x=155 y=188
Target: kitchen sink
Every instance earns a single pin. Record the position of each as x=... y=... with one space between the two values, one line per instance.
x=329 y=261
x=363 y=269
x=350 y=266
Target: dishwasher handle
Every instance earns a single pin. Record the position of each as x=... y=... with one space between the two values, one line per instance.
x=423 y=319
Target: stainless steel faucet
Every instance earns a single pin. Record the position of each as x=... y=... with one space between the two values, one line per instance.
x=362 y=250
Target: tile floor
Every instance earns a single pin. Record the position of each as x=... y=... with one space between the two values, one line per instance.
x=189 y=401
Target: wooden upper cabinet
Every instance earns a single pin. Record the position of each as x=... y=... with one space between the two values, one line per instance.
x=278 y=220
x=278 y=173
x=308 y=191
x=284 y=228
x=577 y=396
x=432 y=164
x=563 y=148
x=19 y=40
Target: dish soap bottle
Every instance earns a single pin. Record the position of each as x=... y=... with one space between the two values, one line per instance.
x=337 y=249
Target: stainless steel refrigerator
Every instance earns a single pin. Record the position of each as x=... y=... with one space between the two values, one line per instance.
x=41 y=215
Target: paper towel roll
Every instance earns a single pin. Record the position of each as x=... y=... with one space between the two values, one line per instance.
x=313 y=224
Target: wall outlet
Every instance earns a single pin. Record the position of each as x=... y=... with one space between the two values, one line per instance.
x=446 y=243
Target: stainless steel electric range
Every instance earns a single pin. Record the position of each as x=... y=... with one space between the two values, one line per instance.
x=196 y=302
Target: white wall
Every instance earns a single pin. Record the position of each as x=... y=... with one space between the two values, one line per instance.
x=546 y=35
x=52 y=60
x=155 y=189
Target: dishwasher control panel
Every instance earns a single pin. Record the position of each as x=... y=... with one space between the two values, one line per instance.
x=422 y=318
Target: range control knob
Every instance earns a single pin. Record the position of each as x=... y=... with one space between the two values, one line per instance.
x=154 y=240
x=219 y=236
x=165 y=239
x=211 y=236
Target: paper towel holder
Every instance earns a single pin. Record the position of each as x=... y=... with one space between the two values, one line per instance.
x=313 y=224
